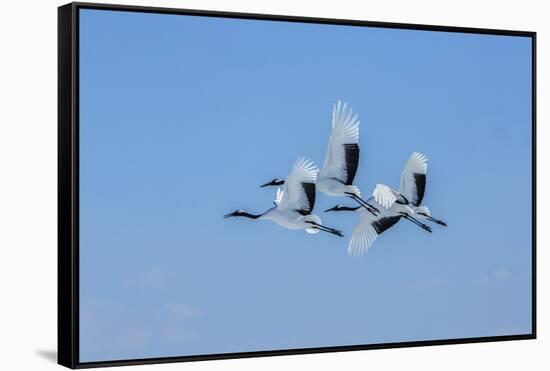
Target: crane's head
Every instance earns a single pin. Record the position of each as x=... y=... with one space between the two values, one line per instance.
x=246 y=214
x=235 y=213
x=274 y=182
x=340 y=207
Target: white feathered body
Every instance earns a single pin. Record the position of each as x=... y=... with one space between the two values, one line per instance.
x=291 y=219
x=292 y=197
x=333 y=187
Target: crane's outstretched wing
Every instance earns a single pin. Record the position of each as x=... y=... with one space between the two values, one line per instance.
x=342 y=158
x=299 y=189
x=367 y=230
x=413 y=178
x=384 y=195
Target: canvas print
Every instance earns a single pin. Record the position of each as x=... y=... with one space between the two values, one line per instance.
x=254 y=185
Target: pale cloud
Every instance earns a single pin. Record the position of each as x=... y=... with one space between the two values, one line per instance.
x=502 y=274
x=111 y=329
x=182 y=311
x=153 y=278
x=176 y=335
x=433 y=283
x=134 y=338
x=498 y=274
x=482 y=280
x=108 y=327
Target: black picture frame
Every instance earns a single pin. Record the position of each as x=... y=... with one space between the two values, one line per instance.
x=68 y=183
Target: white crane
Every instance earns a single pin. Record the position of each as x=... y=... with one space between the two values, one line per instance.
x=369 y=226
x=342 y=158
x=411 y=188
x=294 y=202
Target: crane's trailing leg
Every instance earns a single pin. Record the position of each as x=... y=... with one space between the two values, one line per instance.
x=371 y=209
x=420 y=224
x=440 y=222
x=325 y=229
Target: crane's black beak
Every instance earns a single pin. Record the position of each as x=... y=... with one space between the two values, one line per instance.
x=440 y=222
x=274 y=182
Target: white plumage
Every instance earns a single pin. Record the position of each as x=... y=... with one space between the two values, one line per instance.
x=295 y=199
x=392 y=206
x=412 y=185
x=339 y=168
x=411 y=188
x=384 y=195
x=342 y=157
x=369 y=227
x=413 y=178
x=294 y=202
x=295 y=195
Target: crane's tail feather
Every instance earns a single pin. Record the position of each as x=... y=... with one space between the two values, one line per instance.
x=312 y=230
x=312 y=218
x=422 y=210
x=315 y=222
x=354 y=189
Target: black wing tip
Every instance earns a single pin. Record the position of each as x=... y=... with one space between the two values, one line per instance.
x=384 y=224
x=420 y=183
x=309 y=189
x=352 y=161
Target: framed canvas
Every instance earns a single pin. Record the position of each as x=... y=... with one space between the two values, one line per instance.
x=239 y=185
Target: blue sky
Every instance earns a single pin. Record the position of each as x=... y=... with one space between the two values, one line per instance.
x=182 y=118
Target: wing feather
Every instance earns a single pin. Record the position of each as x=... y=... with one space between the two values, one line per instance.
x=384 y=195
x=299 y=187
x=413 y=178
x=278 y=196
x=367 y=231
x=342 y=158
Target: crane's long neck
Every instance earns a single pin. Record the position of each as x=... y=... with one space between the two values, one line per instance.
x=249 y=215
x=348 y=208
